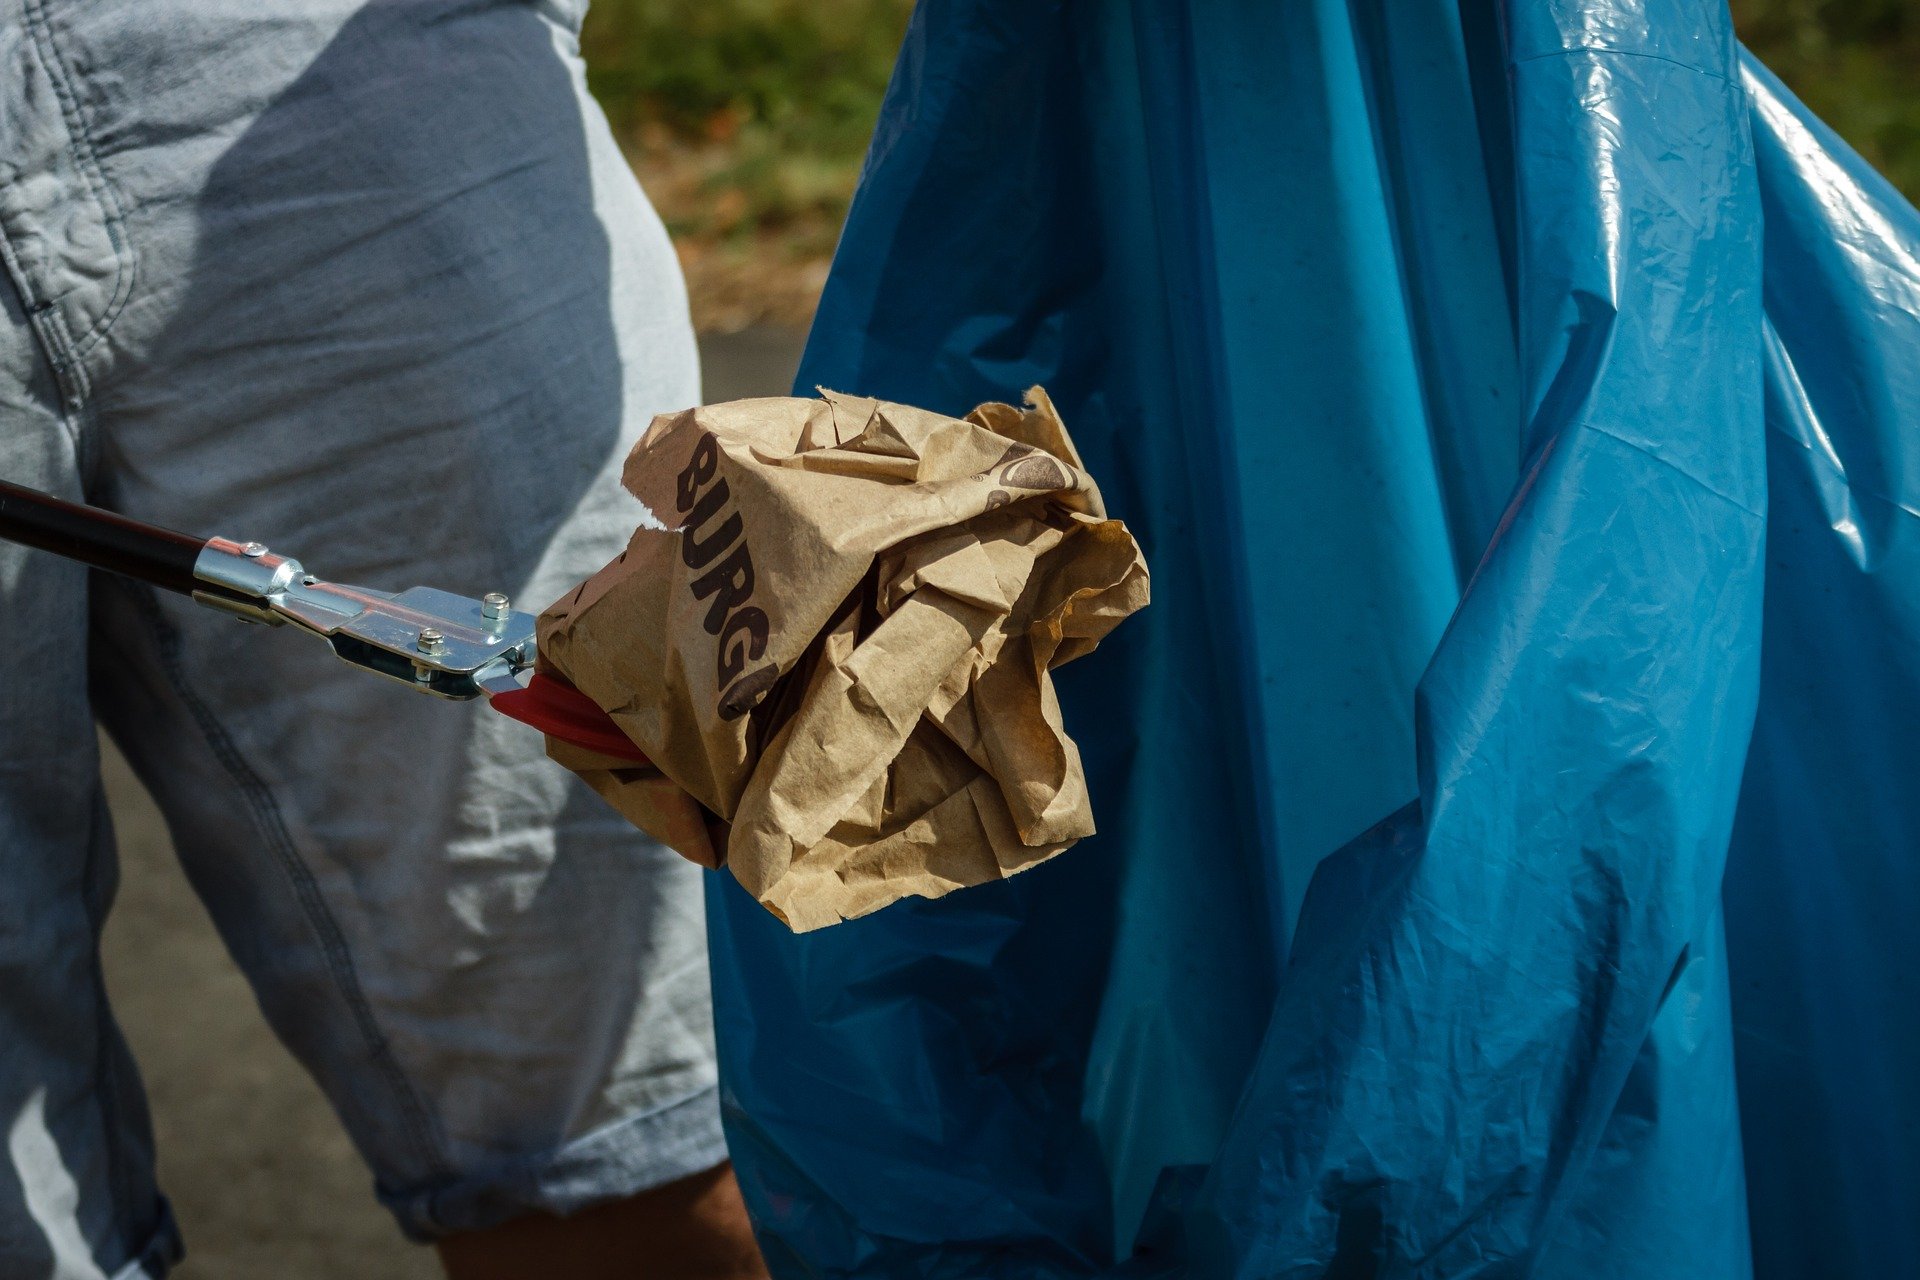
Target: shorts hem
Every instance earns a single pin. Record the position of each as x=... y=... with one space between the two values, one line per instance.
x=162 y=1252
x=621 y=1159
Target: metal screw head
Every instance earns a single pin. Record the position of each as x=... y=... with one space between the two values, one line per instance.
x=254 y=550
x=495 y=604
x=431 y=641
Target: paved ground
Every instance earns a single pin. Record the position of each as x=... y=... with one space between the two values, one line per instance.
x=264 y=1181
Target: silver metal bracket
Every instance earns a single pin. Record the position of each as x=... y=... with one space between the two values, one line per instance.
x=433 y=641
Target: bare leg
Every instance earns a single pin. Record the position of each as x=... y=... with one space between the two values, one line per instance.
x=693 y=1229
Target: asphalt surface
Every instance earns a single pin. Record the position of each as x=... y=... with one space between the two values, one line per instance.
x=262 y=1178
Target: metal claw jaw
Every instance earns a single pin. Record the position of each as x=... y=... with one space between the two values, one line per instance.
x=433 y=641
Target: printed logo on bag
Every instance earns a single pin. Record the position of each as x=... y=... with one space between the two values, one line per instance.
x=1037 y=472
x=1024 y=467
x=719 y=555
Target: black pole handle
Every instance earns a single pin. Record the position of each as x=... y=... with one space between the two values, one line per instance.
x=100 y=538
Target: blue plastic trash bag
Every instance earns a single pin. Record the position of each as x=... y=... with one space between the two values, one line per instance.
x=1511 y=802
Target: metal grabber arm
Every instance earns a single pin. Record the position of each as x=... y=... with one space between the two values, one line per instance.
x=432 y=641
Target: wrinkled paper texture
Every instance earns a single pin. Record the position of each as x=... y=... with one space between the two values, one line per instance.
x=835 y=634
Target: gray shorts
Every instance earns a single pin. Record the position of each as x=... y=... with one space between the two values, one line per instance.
x=371 y=283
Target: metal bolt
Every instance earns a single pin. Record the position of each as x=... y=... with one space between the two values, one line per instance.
x=431 y=641
x=254 y=550
x=495 y=605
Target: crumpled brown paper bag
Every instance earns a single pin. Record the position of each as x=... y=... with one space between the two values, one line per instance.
x=835 y=634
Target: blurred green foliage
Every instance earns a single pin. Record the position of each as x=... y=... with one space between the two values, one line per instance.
x=776 y=98
x=781 y=95
x=1856 y=63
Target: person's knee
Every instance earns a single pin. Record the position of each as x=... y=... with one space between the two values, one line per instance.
x=693 y=1229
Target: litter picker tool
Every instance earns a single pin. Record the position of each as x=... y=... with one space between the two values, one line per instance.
x=432 y=641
